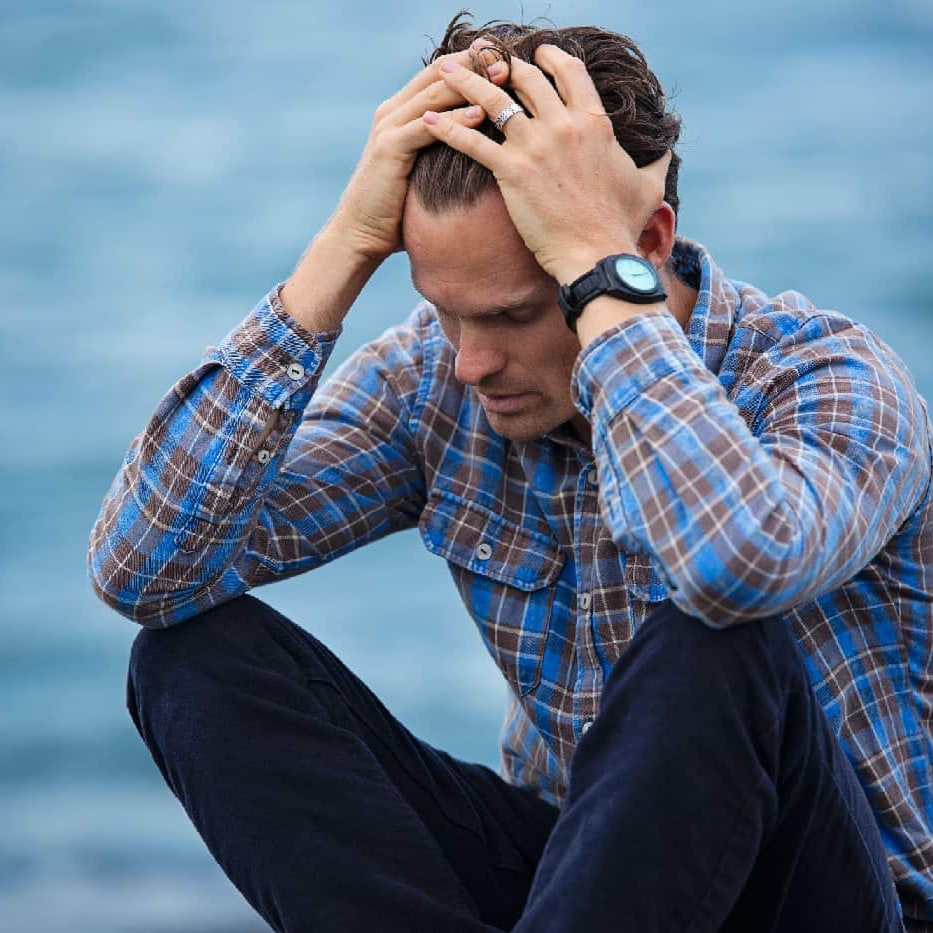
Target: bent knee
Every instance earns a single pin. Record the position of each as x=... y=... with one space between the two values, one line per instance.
x=195 y=643
x=233 y=643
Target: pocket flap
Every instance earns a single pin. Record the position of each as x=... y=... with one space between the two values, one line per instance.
x=482 y=542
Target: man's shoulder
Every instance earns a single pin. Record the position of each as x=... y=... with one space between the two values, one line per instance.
x=415 y=343
x=751 y=337
x=742 y=310
x=789 y=316
x=412 y=358
x=790 y=329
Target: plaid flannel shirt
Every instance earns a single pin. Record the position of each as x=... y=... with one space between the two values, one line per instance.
x=773 y=459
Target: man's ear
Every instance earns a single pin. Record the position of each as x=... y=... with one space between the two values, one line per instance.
x=657 y=238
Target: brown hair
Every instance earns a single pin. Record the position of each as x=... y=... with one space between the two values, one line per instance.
x=634 y=100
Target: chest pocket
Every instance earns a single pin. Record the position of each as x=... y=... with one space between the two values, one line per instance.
x=506 y=576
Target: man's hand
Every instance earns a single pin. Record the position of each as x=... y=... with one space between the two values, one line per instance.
x=370 y=210
x=366 y=226
x=573 y=193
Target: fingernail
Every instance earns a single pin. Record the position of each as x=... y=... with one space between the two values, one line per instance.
x=473 y=112
x=451 y=67
x=431 y=117
x=496 y=69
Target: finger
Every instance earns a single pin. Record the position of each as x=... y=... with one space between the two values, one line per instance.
x=478 y=147
x=534 y=90
x=573 y=81
x=422 y=80
x=438 y=95
x=416 y=134
x=660 y=165
x=485 y=53
x=498 y=72
x=478 y=90
x=657 y=170
x=656 y=173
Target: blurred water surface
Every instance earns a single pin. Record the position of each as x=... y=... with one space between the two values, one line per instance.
x=161 y=166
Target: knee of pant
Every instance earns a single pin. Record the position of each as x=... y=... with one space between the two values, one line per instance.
x=770 y=638
x=194 y=644
x=672 y=647
x=244 y=644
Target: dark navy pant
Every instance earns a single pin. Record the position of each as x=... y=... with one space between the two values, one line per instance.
x=710 y=793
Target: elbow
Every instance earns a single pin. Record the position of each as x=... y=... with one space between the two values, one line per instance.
x=107 y=574
x=765 y=576
x=115 y=590
x=120 y=583
x=722 y=606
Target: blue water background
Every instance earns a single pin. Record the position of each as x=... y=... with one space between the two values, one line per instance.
x=162 y=165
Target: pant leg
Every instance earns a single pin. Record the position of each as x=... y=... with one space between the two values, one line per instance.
x=320 y=807
x=711 y=794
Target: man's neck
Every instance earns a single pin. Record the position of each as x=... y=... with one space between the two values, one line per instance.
x=681 y=297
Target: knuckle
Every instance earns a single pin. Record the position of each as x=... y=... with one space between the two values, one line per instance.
x=566 y=128
x=434 y=93
x=383 y=110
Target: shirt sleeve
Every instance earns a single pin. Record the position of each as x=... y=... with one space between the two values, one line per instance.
x=249 y=472
x=758 y=499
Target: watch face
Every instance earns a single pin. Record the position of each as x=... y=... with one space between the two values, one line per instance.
x=637 y=274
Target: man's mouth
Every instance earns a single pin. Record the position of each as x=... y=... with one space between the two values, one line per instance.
x=504 y=403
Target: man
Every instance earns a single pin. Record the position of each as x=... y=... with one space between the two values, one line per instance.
x=694 y=526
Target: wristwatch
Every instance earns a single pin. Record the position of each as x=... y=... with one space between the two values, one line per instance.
x=623 y=276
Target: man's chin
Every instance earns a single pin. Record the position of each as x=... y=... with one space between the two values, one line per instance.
x=520 y=427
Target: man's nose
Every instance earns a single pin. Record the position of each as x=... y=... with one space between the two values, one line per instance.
x=478 y=357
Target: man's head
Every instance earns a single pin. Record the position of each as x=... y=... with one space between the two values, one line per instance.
x=497 y=306
x=632 y=96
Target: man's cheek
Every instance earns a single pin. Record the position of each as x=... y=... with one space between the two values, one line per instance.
x=451 y=329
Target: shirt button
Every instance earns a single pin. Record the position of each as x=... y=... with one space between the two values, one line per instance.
x=264 y=456
x=296 y=372
x=586 y=727
x=592 y=476
x=585 y=601
x=483 y=551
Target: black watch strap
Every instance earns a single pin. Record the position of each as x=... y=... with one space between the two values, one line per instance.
x=605 y=279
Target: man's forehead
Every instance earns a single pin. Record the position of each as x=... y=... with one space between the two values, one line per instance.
x=472 y=261
x=467 y=302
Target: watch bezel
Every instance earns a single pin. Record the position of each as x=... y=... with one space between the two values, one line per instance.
x=606 y=279
x=643 y=264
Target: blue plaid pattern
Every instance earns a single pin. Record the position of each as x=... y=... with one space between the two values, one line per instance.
x=775 y=459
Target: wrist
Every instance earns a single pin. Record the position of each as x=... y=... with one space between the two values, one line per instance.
x=572 y=264
x=627 y=278
x=361 y=248
x=327 y=280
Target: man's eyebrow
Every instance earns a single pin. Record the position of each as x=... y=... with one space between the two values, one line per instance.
x=511 y=304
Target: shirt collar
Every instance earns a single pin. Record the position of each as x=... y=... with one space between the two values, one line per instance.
x=708 y=329
x=710 y=324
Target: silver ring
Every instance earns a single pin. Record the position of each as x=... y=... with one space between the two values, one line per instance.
x=507 y=115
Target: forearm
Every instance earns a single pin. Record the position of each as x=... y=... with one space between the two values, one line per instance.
x=747 y=510
x=181 y=511
x=328 y=279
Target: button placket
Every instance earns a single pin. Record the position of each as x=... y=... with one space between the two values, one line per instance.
x=295 y=372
